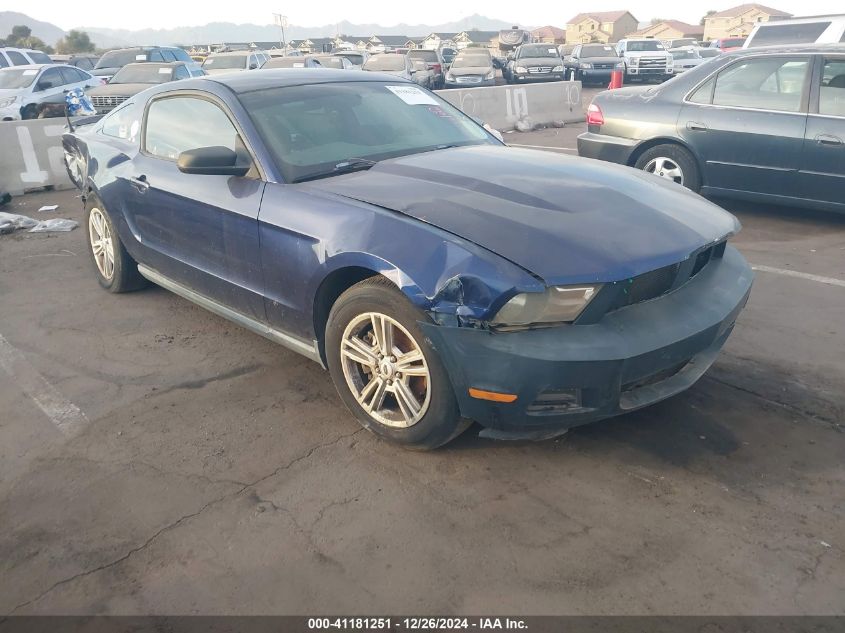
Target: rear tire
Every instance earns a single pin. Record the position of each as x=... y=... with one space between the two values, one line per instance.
x=672 y=162
x=115 y=269
x=385 y=370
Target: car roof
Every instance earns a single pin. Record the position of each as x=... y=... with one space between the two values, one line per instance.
x=231 y=53
x=284 y=77
x=33 y=66
x=818 y=49
x=157 y=64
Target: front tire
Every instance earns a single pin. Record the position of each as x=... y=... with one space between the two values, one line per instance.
x=385 y=370
x=672 y=162
x=115 y=269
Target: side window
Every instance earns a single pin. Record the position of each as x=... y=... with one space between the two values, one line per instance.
x=156 y=56
x=50 y=78
x=17 y=59
x=68 y=75
x=123 y=122
x=704 y=94
x=832 y=91
x=181 y=55
x=769 y=83
x=3 y=62
x=177 y=124
x=181 y=73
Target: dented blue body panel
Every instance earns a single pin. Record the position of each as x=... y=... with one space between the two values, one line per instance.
x=459 y=231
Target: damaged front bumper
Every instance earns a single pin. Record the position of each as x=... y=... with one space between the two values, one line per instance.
x=570 y=375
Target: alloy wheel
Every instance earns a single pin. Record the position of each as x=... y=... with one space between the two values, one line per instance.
x=385 y=370
x=665 y=168
x=102 y=243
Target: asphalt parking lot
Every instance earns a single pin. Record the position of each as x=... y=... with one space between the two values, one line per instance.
x=155 y=458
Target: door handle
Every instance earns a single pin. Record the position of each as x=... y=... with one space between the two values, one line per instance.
x=140 y=183
x=696 y=127
x=827 y=139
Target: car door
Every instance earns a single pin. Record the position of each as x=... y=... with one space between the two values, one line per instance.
x=49 y=85
x=199 y=230
x=822 y=170
x=746 y=124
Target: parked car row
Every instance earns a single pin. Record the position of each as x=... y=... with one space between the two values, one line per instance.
x=26 y=91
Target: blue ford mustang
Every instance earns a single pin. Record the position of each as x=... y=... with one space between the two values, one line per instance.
x=440 y=276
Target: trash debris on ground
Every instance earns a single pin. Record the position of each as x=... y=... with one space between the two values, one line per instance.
x=49 y=207
x=10 y=222
x=54 y=224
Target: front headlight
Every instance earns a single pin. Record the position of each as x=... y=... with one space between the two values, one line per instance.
x=634 y=61
x=450 y=77
x=670 y=60
x=619 y=66
x=5 y=103
x=490 y=75
x=586 y=65
x=557 y=69
x=521 y=69
x=558 y=304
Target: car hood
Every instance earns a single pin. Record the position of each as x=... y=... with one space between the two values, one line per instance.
x=222 y=71
x=105 y=70
x=646 y=54
x=601 y=60
x=5 y=93
x=565 y=219
x=538 y=61
x=117 y=90
x=470 y=70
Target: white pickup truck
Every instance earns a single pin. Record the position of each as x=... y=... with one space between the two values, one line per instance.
x=645 y=58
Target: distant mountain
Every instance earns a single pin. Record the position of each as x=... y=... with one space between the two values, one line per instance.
x=50 y=33
x=216 y=32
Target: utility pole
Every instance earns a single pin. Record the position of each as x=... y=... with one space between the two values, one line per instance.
x=282 y=21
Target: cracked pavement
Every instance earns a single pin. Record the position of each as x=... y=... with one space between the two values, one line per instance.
x=219 y=474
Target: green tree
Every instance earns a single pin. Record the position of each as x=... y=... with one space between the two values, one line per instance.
x=706 y=15
x=22 y=37
x=75 y=42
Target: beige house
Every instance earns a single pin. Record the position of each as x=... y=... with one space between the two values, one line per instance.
x=738 y=21
x=549 y=35
x=607 y=26
x=670 y=30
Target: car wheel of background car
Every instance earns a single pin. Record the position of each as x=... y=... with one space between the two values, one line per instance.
x=29 y=112
x=672 y=162
x=116 y=270
x=385 y=372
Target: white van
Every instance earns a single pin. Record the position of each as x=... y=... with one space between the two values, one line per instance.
x=820 y=29
x=22 y=57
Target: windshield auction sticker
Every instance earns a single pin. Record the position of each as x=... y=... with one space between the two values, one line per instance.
x=412 y=95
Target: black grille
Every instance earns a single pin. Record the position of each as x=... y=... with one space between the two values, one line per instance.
x=658 y=282
x=654 y=378
x=650 y=285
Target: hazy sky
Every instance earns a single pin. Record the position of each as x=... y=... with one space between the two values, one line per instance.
x=166 y=13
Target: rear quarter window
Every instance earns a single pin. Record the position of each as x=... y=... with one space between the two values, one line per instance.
x=123 y=123
x=788 y=34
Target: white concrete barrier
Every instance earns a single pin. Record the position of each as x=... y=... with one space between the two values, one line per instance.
x=31 y=155
x=502 y=106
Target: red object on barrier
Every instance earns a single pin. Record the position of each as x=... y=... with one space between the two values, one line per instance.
x=615 y=80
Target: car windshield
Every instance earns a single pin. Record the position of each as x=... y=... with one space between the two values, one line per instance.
x=143 y=74
x=285 y=62
x=354 y=58
x=117 y=59
x=471 y=61
x=329 y=62
x=650 y=45
x=426 y=56
x=385 y=62
x=17 y=77
x=598 y=51
x=710 y=52
x=686 y=42
x=226 y=62
x=538 y=50
x=317 y=130
x=733 y=43
x=683 y=54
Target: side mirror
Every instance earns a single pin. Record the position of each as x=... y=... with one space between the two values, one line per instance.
x=211 y=161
